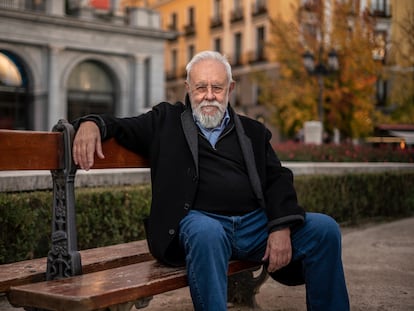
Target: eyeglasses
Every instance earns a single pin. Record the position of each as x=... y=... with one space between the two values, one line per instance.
x=203 y=89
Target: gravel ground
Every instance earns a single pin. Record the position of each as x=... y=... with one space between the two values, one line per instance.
x=379 y=268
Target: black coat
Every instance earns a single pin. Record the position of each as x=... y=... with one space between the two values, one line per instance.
x=168 y=136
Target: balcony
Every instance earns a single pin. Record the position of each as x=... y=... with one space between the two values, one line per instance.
x=182 y=73
x=259 y=8
x=237 y=15
x=236 y=61
x=216 y=21
x=172 y=27
x=381 y=13
x=254 y=57
x=189 y=30
x=37 y=6
x=171 y=75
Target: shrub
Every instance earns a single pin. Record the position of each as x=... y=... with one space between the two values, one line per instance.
x=291 y=151
x=353 y=198
x=104 y=216
x=114 y=215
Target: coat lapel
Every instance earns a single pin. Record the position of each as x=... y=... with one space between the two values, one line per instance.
x=190 y=132
x=247 y=150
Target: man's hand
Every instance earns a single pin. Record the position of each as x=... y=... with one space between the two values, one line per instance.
x=279 y=249
x=87 y=141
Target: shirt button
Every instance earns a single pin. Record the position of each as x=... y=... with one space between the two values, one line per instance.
x=171 y=232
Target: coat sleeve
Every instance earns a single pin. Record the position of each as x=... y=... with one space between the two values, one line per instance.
x=282 y=205
x=135 y=133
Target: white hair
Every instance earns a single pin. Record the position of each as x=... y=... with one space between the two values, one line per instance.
x=209 y=55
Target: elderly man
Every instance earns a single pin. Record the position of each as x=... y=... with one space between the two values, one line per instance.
x=220 y=192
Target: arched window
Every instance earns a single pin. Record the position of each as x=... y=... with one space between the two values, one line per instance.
x=15 y=100
x=90 y=90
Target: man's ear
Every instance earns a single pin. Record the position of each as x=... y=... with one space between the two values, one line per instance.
x=231 y=86
x=187 y=86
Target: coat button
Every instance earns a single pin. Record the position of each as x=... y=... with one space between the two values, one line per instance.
x=171 y=232
x=186 y=206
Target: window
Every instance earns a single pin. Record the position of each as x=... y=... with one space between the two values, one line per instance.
x=380 y=8
x=259 y=7
x=191 y=51
x=172 y=73
x=16 y=101
x=191 y=16
x=237 y=4
x=174 y=61
x=36 y=5
x=381 y=92
x=90 y=90
x=217 y=18
x=217 y=9
x=173 y=22
x=217 y=45
x=260 y=42
x=237 y=48
x=237 y=12
x=189 y=29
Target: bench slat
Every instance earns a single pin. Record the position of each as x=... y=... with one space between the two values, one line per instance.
x=107 y=288
x=30 y=150
x=117 y=156
x=94 y=259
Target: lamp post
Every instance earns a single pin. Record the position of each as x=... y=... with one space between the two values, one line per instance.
x=320 y=70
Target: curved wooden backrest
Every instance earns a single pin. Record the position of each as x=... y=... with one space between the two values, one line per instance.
x=36 y=150
x=30 y=150
x=117 y=156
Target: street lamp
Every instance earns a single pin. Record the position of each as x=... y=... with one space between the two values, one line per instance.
x=320 y=70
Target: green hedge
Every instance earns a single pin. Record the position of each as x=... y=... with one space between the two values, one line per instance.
x=113 y=215
x=355 y=198
x=104 y=216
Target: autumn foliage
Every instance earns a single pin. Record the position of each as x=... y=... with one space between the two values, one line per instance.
x=348 y=95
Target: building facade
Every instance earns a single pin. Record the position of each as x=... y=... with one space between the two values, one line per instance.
x=62 y=59
x=66 y=58
x=240 y=29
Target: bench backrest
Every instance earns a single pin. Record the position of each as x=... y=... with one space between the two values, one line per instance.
x=31 y=150
x=34 y=150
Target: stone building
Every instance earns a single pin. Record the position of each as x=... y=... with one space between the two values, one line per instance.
x=62 y=59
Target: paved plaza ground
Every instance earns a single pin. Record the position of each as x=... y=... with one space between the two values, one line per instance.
x=379 y=267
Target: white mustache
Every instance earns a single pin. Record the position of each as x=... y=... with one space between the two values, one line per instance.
x=213 y=103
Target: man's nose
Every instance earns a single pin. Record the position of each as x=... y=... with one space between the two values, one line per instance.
x=210 y=94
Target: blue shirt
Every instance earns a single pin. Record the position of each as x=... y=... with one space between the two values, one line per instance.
x=213 y=134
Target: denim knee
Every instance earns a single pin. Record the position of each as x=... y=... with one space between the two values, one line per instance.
x=329 y=229
x=203 y=232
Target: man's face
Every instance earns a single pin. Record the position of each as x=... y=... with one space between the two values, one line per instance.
x=209 y=92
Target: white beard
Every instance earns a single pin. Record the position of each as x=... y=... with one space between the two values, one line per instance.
x=209 y=121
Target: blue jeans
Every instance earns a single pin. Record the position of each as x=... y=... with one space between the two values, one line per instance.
x=211 y=240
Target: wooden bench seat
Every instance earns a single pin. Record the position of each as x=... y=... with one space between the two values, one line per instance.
x=93 y=260
x=107 y=288
x=107 y=278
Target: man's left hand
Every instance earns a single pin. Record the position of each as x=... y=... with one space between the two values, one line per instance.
x=279 y=249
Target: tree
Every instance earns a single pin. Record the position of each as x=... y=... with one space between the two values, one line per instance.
x=348 y=101
x=400 y=70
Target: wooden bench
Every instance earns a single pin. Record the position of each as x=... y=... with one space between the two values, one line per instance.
x=107 y=278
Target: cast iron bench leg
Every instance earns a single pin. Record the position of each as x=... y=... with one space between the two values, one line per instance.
x=139 y=304
x=243 y=286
